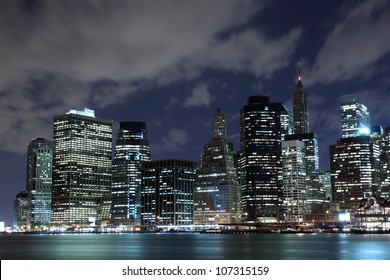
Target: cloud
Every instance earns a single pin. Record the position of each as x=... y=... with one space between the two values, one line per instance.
x=175 y=140
x=200 y=96
x=251 y=51
x=355 y=45
x=110 y=39
x=57 y=55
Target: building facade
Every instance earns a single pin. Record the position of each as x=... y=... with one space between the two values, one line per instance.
x=355 y=159
x=385 y=165
x=355 y=117
x=131 y=151
x=352 y=171
x=263 y=125
x=167 y=192
x=39 y=181
x=21 y=213
x=300 y=110
x=217 y=192
x=82 y=148
x=294 y=181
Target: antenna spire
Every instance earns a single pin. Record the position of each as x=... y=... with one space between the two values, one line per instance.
x=299 y=70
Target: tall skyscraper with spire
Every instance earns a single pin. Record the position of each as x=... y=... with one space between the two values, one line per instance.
x=263 y=126
x=131 y=151
x=300 y=111
x=217 y=193
x=82 y=150
x=314 y=190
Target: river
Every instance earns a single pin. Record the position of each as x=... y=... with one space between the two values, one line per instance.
x=185 y=246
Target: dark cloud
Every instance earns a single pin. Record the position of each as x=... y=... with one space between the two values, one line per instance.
x=98 y=52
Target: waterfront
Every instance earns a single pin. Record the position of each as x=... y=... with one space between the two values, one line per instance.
x=184 y=246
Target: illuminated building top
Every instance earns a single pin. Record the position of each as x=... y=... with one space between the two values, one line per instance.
x=86 y=112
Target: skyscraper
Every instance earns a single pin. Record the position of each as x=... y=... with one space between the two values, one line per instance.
x=82 y=148
x=314 y=191
x=263 y=126
x=167 y=192
x=352 y=171
x=39 y=181
x=385 y=164
x=355 y=158
x=355 y=118
x=217 y=193
x=21 y=211
x=301 y=115
x=294 y=180
x=132 y=149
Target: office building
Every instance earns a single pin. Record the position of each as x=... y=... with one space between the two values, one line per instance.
x=385 y=165
x=217 y=192
x=167 y=192
x=300 y=110
x=131 y=151
x=352 y=171
x=82 y=148
x=263 y=125
x=355 y=159
x=294 y=181
x=355 y=117
x=39 y=180
x=20 y=217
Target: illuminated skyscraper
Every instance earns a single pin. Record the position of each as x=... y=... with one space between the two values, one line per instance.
x=294 y=180
x=315 y=193
x=82 y=148
x=355 y=158
x=352 y=169
x=263 y=126
x=39 y=181
x=21 y=211
x=355 y=118
x=167 y=192
x=301 y=115
x=217 y=193
x=385 y=165
x=132 y=149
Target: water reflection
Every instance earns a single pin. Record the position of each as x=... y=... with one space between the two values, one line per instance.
x=195 y=246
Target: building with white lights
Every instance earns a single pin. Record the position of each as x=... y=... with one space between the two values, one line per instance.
x=294 y=181
x=39 y=181
x=263 y=126
x=82 y=148
x=131 y=151
x=167 y=192
x=355 y=158
x=217 y=192
x=355 y=117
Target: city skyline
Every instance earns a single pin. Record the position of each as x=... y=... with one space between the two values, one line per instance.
x=179 y=64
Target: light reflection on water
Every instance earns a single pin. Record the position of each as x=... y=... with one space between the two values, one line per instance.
x=195 y=246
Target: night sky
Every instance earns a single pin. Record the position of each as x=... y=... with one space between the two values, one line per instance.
x=173 y=63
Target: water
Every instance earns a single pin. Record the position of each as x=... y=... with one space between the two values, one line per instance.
x=151 y=246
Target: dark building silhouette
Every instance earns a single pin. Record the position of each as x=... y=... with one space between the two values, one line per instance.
x=300 y=110
x=167 y=192
x=263 y=125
